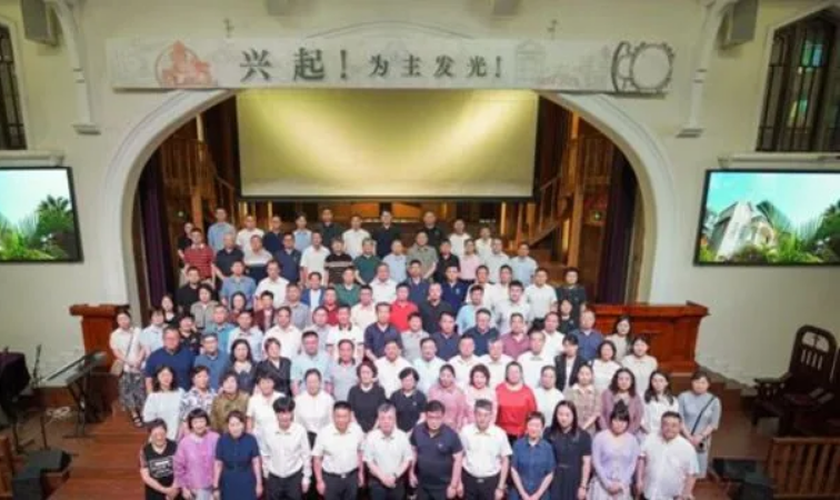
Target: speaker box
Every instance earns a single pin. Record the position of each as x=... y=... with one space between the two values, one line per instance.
x=26 y=485
x=740 y=23
x=37 y=22
x=48 y=460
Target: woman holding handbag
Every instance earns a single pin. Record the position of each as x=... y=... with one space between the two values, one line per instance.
x=700 y=412
x=128 y=360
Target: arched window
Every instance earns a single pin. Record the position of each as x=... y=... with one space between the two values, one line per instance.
x=803 y=91
x=12 y=135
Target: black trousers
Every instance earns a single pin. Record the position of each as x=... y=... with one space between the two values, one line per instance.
x=278 y=488
x=430 y=493
x=341 y=487
x=479 y=488
x=379 y=492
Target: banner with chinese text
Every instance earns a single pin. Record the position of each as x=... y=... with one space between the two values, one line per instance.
x=375 y=62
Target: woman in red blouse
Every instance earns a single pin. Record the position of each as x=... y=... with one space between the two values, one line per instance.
x=515 y=402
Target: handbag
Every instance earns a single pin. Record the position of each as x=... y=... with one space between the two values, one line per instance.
x=118 y=366
x=703 y=444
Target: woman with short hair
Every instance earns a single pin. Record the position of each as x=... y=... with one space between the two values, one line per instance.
x=194 y=458
x=238 y=470
x=452 y=397
x=532 y=465
x=313 y=406
x=367 y=396
x=242 y=364
x=700 y=411
x=228 y=399
x=604 y=366
x=128 y=362
x=157 y=463
x=164 y=402
x=516 y=401
x=615 y=451
x=479 y=388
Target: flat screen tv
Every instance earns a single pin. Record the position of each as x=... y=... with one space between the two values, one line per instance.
x=38 y=217
x=770 y=218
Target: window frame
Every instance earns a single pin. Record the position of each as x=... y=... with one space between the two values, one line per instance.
x=15 y=41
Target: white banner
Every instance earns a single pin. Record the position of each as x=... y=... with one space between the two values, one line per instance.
x=614 y=67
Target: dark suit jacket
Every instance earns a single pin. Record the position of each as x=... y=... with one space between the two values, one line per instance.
x=560 y=366
x=306 y=299
x=260 y=317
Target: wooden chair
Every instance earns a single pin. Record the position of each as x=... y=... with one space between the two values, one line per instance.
x=806 y=383
x=823 y=419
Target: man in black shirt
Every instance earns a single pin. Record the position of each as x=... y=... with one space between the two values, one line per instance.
x=432 y=230
x=433 y=307
x=336 y=262
x=225 y=258
x=329 y=230
x=187 y=295
x=385 y=235
x=446 y=259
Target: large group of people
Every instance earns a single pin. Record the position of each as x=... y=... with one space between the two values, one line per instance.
x=324 y=362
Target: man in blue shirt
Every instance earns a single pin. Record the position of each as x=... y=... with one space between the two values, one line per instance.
x=446 y=339
x=311 y=357
x=179 y=359
x=418 y=287
x=217 y=232
x=439 y=453
x=380 y=332
x=273 y=238
x=466 y=315
x=483 y=333
x=289 y=259
x=523 y=266
x=215 y=361
x=238 y=282
x=588 y=338
x=220 y=327
x=454 y=291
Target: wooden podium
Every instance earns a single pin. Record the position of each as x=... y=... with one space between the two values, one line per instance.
x=98 y=321
x=672 y=329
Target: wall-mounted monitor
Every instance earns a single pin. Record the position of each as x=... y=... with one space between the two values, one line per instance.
x=770 y=218
x=38 y=217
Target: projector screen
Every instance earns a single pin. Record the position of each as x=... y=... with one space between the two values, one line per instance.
x=297 y=144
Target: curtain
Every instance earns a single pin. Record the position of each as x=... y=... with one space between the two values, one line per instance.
x=612 y=281
x=155 y=234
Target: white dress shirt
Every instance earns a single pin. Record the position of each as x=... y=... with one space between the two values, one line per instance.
x=668 y=465
x=261 y=413
x=243 y=238
x=506 y=309
x=497 y=368
x=313 y=412
x=383 y=291
x=339 y=451
x=540 y=298
x=276 y=287
x=494 y=263
x=286 y=452
x=353 y=334
x=390 y=452
x=547 y=400
x=353 y=239
x=429 y=372
x=314 y=260
x=484 y=248
x=642 y=368
x=654 y=409
x=457 y=241
x=254 y=338
x=463 y=367
x=389 y=373
x=532 y=365
x=490 y=298
x=553 y=343
x=603 y=373
x=363 y=316
x=484 y=450
x=289 y=337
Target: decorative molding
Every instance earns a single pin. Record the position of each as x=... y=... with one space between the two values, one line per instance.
x=64 y=11
x=31 y=158
x=715 y=13
x=779 y=160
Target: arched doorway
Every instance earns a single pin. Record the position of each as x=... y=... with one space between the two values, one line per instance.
x=642 y=148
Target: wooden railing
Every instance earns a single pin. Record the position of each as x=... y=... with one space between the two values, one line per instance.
x=804 y=467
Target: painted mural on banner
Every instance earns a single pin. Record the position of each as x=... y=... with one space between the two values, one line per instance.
x=622 y=67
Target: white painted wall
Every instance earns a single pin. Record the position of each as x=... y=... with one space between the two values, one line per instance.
x=754 y=311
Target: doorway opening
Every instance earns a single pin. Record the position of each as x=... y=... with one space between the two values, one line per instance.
x=586 y=210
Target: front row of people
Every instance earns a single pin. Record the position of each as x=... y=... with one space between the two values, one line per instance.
x=560 y=462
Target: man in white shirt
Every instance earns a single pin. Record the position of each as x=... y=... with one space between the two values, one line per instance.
x=345 y=330
x=458 y=237
x=523 y=265
x=428 y=365
x=515 y=304
x=354 y=237
x=496 y=362
x=388 y=456
x=286 y=333
x=464 y=362
x=363 y=314
x=273 y=283
x=484 y=243
x=540 y=295
x=492 y=294
x=246 y=331
x=486 y=456
x=534 y=360
x=151 y=338
x=383 y=287
x=243 y=237
x=553 y=336
x=314 y=257
x=389 y=367
x=495 y=260
x=667 y=467
x=338 y=461
x=286 y=455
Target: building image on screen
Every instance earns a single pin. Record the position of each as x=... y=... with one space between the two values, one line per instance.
x=296 y=144
x=770 y=217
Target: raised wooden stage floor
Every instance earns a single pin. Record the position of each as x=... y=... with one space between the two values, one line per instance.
x=106 y=466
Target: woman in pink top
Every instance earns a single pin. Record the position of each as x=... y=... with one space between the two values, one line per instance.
x=469 y=262
x=195 y=456
x=452 y=398
x=478 y=388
